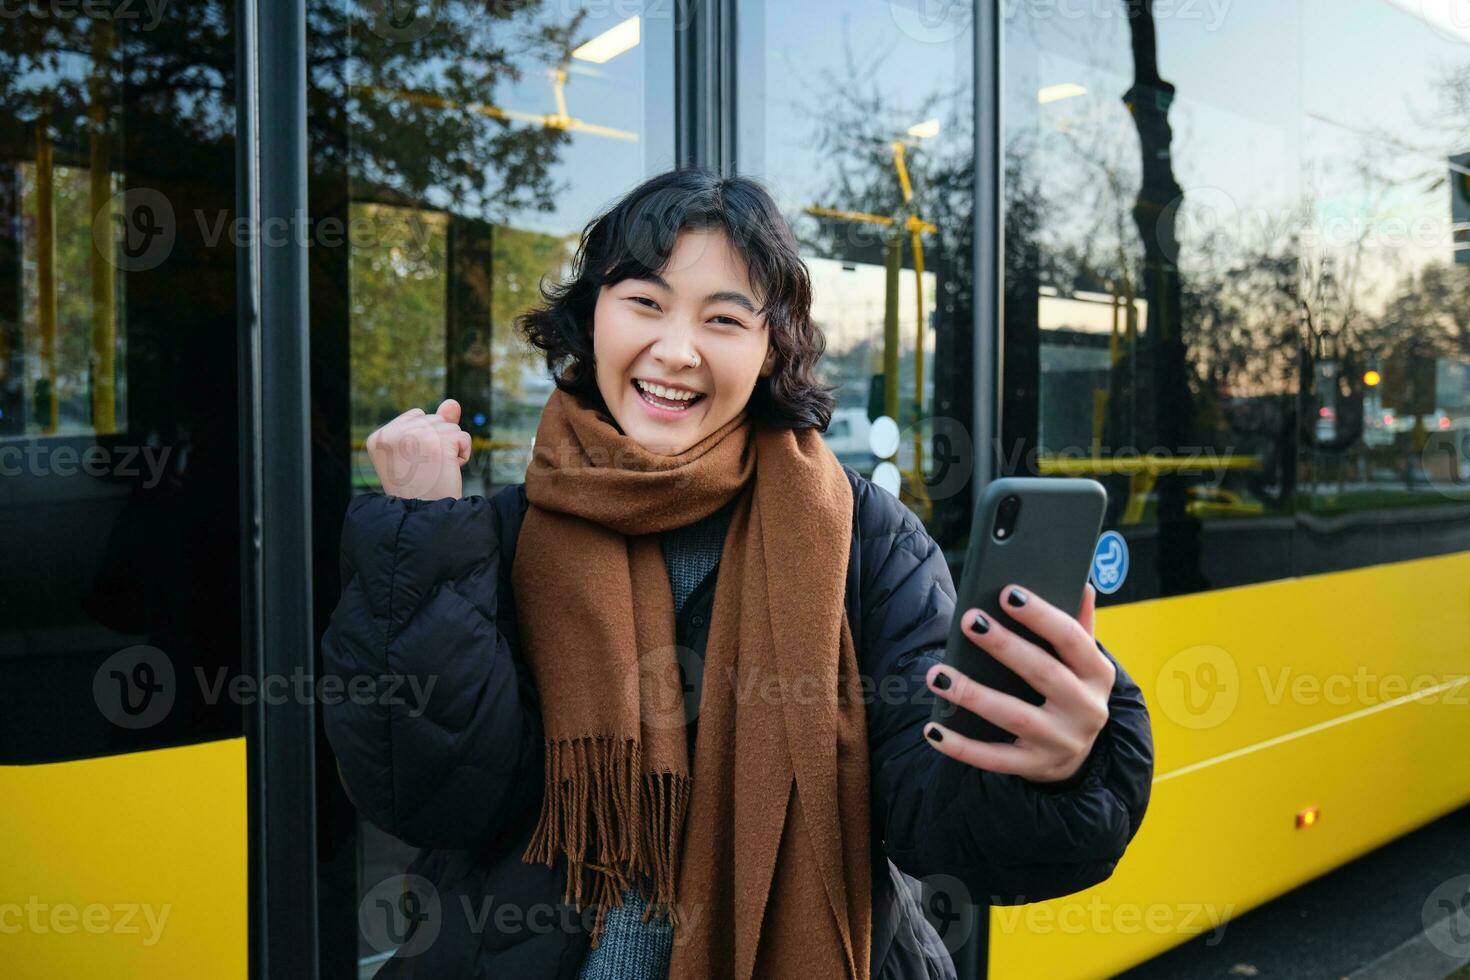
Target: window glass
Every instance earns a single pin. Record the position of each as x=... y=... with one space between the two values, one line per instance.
x=119 y=461
x=456 y=152
x=1386 y=276
x=1230 y=278
x=866 y=141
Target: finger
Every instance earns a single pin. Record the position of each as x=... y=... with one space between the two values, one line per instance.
x=466 y=445
x=1021 y=719
x=1048 y=676
x=1066 y=636
x=995 y=756
x=448 y=410
x=1088 y=615
x=450 y=436
x=442 y=425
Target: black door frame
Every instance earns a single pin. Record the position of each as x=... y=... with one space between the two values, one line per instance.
x=276 y=502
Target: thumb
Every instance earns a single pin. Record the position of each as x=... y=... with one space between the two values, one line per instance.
x=448 y=410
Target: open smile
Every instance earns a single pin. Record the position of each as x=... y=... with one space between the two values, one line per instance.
x=666 y=401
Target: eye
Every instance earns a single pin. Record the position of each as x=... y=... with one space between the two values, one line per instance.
x=728 y=319
x=644 y=299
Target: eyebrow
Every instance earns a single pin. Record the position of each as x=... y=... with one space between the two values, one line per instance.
x=721 y=296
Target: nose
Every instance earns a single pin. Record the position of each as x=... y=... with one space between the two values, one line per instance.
x=675 y=347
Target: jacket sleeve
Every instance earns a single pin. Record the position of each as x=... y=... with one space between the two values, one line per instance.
x=436 y=731
x=1008 y=840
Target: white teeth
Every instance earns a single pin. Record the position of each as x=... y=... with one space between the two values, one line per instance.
x=673 y=394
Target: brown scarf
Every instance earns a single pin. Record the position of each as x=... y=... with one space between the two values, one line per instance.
x=771 y=874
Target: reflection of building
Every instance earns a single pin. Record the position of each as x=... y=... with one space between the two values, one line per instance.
x=187 y=373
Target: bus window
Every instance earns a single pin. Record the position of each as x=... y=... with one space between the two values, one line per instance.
x=1226 y=297
x=120 y=626
x=868 y=147
x=456 y=152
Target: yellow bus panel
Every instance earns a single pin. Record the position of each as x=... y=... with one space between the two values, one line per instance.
x=126 y=866
x=1348 y=692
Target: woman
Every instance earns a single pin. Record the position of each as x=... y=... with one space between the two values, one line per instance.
x=682 y=676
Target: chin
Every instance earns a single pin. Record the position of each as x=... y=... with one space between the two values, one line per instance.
x=661 y=445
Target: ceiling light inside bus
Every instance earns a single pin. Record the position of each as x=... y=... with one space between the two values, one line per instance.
x=610 y=43
x=1055 y=93
x=925 y=130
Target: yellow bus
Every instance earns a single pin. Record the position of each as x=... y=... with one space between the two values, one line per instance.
x=1211 y=255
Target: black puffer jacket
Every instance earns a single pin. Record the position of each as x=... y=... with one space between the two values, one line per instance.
x=459 y=773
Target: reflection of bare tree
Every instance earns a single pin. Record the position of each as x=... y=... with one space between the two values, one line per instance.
x=855 y=124
x=385 y=107
x=1434 y=304
x=1455 y=102
x=1161 y=361
x=1027 y=265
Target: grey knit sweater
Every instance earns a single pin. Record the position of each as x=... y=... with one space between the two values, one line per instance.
x=631 y=949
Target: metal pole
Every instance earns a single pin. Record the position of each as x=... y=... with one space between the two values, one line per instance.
x=280 y=738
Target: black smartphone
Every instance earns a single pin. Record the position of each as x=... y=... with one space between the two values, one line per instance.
x=1039 y=532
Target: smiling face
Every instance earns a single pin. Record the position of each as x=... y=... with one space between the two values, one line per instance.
x=679 y=354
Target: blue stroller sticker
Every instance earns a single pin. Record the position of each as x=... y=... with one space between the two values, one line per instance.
x=1110 y=562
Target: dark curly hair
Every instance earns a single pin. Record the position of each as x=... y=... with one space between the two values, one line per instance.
x=636 y=236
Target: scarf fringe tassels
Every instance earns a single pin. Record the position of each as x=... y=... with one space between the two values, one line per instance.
x=612 y=821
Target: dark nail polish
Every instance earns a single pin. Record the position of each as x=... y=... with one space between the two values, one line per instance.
x=941 y=681
x=980 y=624
x=935 y=734
x=1017 y=598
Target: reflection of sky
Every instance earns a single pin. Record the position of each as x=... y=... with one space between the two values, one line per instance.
x=800 y=57
x=1281 y=99
x=592 y=170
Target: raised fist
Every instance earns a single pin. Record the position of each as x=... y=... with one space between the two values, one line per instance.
x=419 y=456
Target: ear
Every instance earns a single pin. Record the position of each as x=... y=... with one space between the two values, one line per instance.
x=769 y=364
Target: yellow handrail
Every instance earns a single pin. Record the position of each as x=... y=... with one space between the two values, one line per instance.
x=1143 y=471
x=1150 y=463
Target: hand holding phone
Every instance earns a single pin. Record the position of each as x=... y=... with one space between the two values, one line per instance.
x=1041 y=532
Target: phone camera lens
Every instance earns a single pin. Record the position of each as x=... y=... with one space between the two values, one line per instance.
x=1005 y=517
